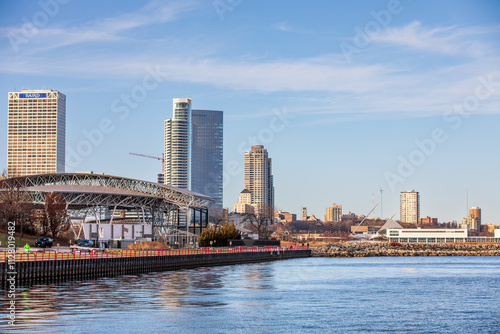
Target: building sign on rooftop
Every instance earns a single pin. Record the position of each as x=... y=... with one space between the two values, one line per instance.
x=32 y=95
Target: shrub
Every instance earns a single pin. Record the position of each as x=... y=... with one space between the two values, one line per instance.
x=220 y=235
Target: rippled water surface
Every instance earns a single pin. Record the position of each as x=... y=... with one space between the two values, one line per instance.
x=314 y=295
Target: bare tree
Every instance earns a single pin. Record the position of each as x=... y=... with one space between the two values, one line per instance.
x=261 y=220
x=54 y=215
x=15 y=206
x=217 y=215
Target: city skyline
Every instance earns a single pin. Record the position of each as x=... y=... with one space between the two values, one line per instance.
x=348 y=97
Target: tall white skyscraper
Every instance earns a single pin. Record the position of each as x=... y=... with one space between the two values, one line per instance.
x=178 y=145
x=36 y=133
x=259 y=178
x=410 y=206
x=194 y=149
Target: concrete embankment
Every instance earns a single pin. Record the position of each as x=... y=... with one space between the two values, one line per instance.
x=57 y=270
x=406 y=249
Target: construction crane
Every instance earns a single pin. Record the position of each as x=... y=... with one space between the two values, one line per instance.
x=161 y=176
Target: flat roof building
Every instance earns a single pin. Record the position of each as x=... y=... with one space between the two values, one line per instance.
x=410 y=206
x=36 y=132
x=430 y=235
x=259 y=179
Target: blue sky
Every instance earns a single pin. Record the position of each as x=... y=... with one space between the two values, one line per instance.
x=348 y=97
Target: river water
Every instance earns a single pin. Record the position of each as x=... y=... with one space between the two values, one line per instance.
x=313 y=295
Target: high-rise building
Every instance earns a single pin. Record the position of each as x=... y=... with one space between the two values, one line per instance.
x=36 y=133
x=410 y=206
x=207 y=153
x=178 y=145
x=194 y=150
x=334 y=213
x=473 y=220
x=476 y=212
x=259 y=179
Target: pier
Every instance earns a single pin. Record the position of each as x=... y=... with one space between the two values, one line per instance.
x=49 y=266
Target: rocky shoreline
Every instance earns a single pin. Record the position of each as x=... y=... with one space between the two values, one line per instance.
x=365 y=249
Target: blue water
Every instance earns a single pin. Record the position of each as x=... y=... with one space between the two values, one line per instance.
x=314 y=295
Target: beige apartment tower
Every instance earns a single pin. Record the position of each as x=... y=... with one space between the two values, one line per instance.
x=334 y=213
x=259 y=179
x=410 y=206
x=36 y=132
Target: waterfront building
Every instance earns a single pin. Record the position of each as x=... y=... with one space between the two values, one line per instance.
x=259 y=179
x=410 y=206
x=207 y=153
x=427 y=235
x=178 y=145
x=497 y=233
x=333 y=214
x=36 y=132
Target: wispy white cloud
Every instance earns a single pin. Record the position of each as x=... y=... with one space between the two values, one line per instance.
x=283 y=26
x=107 y=29
x=451 y=40
x=320 y=85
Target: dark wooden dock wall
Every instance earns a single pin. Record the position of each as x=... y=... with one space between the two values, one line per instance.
x=58 y=270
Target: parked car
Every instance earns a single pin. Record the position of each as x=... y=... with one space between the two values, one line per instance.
x=44 y=242
x=86 y=243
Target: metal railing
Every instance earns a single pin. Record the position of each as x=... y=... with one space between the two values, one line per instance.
x=77 y=254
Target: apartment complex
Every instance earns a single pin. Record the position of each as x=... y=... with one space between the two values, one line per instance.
x=178 y=145
x=259 y=178
x=410 y=206
x=473 y=220
x=36 y=132
x=334 y=213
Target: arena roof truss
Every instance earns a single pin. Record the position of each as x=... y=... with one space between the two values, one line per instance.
x=82 y=190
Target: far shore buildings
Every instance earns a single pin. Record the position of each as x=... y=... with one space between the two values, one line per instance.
x=36 y=132
x=285 y=217
x=410 y=206
x=244 y=205
x=428 y=221
x=333 y=214
x=473 y=220
x=259 y=179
